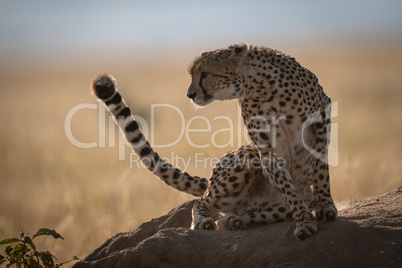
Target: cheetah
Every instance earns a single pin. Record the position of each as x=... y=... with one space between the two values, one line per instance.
x=244 y=187
x=287 y=114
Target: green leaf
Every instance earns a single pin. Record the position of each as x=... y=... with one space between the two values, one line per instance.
x=29 y=241
x=9 y=240
x=2 y=260
x=33 y=263
x=20 y=250
x=15 y=257
x=46 y=231
x=8 y=250
x=47 y=258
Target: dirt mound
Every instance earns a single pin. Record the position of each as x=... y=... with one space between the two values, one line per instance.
x=368 y=233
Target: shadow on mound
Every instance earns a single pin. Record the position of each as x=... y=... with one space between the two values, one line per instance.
x=368 y=233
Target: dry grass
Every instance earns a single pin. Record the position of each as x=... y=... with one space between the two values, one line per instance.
x=88 y=194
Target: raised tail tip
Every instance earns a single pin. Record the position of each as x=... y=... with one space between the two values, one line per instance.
x=103 y=86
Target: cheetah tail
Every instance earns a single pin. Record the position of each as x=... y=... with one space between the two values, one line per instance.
x=104 y=88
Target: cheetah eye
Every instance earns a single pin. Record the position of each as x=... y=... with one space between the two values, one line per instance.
x=204 y=75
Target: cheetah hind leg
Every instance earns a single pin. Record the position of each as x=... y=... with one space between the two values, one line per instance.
x=202 y=219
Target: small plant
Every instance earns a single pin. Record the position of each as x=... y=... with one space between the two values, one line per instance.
x=25 y=254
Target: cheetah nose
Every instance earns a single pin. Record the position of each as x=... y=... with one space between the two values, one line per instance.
x=191 y=95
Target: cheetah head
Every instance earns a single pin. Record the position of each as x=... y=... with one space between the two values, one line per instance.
x=218 y=75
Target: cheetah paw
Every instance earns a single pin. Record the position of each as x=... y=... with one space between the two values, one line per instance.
x=231 y=223
x=306 y=228
x=236 y=224
x=204 y=224
x=327 y=213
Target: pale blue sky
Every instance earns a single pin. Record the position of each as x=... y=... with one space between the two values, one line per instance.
x=46 y=27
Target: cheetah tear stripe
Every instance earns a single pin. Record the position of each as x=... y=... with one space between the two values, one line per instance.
x=104 y=88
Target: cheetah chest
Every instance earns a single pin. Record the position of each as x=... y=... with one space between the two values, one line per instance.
x=281 y=137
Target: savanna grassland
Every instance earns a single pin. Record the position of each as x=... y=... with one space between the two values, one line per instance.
x=88 y=195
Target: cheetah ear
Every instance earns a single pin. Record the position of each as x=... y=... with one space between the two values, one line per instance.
x=239 y=52
x=204 y=53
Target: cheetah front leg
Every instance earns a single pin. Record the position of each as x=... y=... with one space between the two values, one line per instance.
x=306 y=225
x=325 y=209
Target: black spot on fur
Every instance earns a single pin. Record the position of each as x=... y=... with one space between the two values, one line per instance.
x=282 y=209
x=239 y=168
x=145 y=151
x=163 y=168
x=115 y=100
x=124 y=113
x=137 y=139
x=233 y=179
x=132 y=126
x=263 y=136
x=203 y=186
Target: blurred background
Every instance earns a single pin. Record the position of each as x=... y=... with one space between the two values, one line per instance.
x=51 y=50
